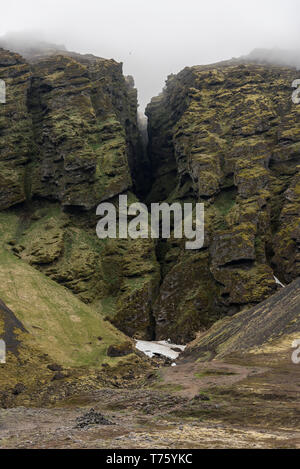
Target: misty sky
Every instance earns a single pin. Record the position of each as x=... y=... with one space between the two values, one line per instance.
x=154 y=38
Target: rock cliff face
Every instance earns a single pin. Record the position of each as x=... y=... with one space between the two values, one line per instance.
x=15 y=130
x=69 y=140
x=73 y=132
x=227 y=135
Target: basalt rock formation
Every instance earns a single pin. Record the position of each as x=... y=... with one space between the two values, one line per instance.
x=69 y=140
x=71 y=112
x=226 y=135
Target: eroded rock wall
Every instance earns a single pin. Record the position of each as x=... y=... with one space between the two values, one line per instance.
x=227 y=135
x=69 y=140
x=16 y=136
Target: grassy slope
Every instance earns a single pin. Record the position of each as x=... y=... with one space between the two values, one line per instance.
x=63 y=326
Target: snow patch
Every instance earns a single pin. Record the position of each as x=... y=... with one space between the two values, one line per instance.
x=162 y=347
x=278 y=282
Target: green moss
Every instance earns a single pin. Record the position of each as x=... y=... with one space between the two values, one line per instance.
x=167 y=387
x=45 y=306
x=225 y=201
x=205 y=373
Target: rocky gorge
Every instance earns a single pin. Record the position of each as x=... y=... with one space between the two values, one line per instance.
x=226 y=135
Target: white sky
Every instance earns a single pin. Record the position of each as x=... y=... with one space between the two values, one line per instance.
x=157 y=37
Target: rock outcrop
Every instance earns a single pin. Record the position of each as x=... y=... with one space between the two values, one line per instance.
x=226 y=135
x=16 y=135
x=270 y=325
x=69 y=140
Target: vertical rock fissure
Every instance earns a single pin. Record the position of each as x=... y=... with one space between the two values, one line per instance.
x=219 y=135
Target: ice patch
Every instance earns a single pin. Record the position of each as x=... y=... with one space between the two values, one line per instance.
x=278 y=282
x=162 y=347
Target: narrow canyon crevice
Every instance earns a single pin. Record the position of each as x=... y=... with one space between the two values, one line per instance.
x=77 y=141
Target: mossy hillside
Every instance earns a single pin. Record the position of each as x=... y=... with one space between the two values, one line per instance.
x=26 y=369
x=266 y=327
x=119 y=277
x=65 y=251
x=31 y=377
x=63 y=327
x=42 y=306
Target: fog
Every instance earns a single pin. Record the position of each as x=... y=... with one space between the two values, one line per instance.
x=158 y=37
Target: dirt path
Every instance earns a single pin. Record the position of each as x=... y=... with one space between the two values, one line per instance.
x=194 y=377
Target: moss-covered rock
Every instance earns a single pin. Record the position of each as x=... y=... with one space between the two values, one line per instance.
x=16 y=136
x=75 y=120
x=227 y=135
